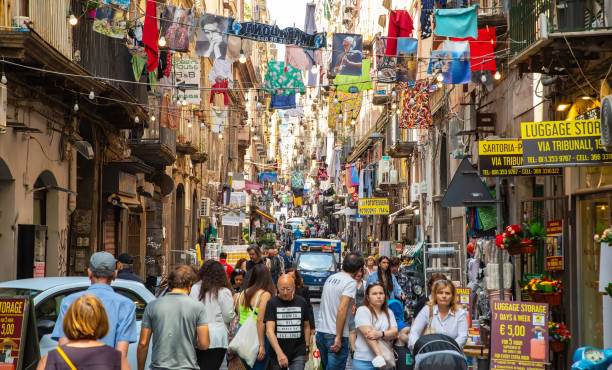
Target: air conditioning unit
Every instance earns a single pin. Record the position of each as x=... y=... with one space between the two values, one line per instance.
x=205 y=207
x=605 y=126
x=415 y=188
x=393 y=177
x=423 y=187
x=3 y=107
x=382 y=93
x=383 y=173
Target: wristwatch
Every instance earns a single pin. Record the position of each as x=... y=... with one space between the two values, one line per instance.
x=383 y=334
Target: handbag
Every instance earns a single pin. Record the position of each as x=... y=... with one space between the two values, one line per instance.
x=65 y=357
x=387 y=352
x=314 y=356
x=429 y=329
x=246 y=341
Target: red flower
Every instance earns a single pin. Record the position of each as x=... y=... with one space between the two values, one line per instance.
x=499 y=240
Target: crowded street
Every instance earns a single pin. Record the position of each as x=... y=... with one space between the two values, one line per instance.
x=306 y=184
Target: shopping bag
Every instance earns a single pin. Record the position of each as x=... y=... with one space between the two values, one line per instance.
x=314 y=356
x=246 y=341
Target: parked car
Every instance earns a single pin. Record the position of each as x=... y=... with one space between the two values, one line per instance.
x=47 y=294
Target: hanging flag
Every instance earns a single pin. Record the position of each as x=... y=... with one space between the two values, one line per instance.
x=149 y=36
x=400 y=25
x=347 y=54
x=268 y=33
x=354 y=84
x=283 y=79
x=211 y=39
x=385 y=65
x=348 y=104
x=457 y=22
x=177 y=27
x=482 y=50
x=414 y=100
x=459 y=70
x=406 y=59
x=297 y=180
x=282 y=101
x=110 y=21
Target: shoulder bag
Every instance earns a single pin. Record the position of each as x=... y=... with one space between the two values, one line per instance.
x=65 y=357
x=246 y=341
x=429 y=329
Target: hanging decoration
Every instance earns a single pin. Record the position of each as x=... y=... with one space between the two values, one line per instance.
x=110 y=21
x=457 y=22
x=343 y=103
x=218 y=119
x=384 y=65
x=355 y=84
x=283 y=79
x=400 y=25
x=268 y=33
x=347 y=54
x=177 y=27
x=282 y=101
x=187 y=75
x=406 y=59
x=211 y=38
x=415 y=112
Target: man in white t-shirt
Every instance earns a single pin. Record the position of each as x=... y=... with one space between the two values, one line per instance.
x=338 y=294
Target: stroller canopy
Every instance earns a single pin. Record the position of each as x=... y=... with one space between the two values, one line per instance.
x=398 y=312
x=438 y=351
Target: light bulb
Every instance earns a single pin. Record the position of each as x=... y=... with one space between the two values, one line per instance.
x=314 y=68
x=162 y=41
x=73 y=20
x=440 y=77
x=220 y=136
x=92 y=95
x=202 y=124
x=184 y=101
x=136 y=119
x=353 y=122
x=255 y=137
x=153 y=118
x=393 y=94
x=439 y=84
x=411 y=100
x=393 y=106
x=252 y=128
x=3 y=80
x=335 y=101
x=483 y=78
x=242 y=58
x=259 y=106
x=497 y=75
x=76 y=107
x=189 y=124
x=398 y=111
x=340 y=116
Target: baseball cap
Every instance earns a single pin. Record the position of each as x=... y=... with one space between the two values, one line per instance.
x=126 y=258
x=103 y=263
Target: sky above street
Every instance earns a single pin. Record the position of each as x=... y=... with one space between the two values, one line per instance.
x=287 y=13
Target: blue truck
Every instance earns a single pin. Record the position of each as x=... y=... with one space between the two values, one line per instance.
x=316 y=259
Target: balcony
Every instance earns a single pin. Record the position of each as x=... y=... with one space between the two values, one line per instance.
x=560 y=36
x=157 y=146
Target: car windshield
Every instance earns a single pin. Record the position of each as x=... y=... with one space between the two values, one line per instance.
x=316 y=262
x=10 y=292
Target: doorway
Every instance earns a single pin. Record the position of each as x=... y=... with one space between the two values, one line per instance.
x=179 y=229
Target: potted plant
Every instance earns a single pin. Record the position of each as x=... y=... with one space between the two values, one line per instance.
x=605 y=237
x=558 y=335
x=536 y=233
x=609 y=289
x=510 y=239
x=92 y=7
x=544 y=290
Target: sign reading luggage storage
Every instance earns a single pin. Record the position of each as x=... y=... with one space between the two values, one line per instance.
x=562 y=143
x=554 y=245
x=519 y=335
x=18 y=338
x=499 y=157
x=373 y=206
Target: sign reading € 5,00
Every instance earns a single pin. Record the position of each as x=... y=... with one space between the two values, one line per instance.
x=373 y=206
x=499 y=157
x=562 y=143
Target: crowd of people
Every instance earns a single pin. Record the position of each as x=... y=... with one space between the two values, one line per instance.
x=201 y=310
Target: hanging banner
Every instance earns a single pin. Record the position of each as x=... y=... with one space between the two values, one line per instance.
x=110 y=21
x=177 y=27
x=373 y=206
x=500 y=157
x=519 y=335
x=187 y=73
x=288 y=36
x=406 y=59
x=233 y=220
x=211 y=39
x=238 y=197
x=385 y=65
x=562 y=143
x=554 y=245
x=347 y=54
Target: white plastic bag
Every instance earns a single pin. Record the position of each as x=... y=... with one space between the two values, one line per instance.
x=246 y=341
x=314 y=357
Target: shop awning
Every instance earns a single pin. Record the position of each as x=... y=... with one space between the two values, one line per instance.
x=265 y=215
x=346 y=211
x=123 y=201
x=465 y=187
x=413 y=250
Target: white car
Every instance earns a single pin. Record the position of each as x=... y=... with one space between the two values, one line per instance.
x=47 y=294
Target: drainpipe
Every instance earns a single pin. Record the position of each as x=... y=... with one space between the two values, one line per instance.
x=72 y=179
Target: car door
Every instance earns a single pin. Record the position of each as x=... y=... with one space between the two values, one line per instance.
x=141 y=304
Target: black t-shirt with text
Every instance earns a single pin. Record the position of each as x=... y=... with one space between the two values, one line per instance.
x=289 y=317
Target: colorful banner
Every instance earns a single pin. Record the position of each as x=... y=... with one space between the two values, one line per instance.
x=406 y=59
x=499 y=157
x=373 y=206
x=519 y=335
x=554 y=245
x=562 y=143
x=347 y=54
x=110 y=21
x=288 y=36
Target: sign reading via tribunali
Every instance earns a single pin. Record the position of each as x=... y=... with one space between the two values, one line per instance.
x=562 y=143
x=498 y=157
x=373 y=206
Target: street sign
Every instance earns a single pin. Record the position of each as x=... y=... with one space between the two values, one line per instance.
x=499 y=157
x=187 y=74
x=374 y=206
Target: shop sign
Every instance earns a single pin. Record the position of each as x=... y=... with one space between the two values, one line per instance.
x=238 y=197
x=373 y=206
x=519 y=335
x=464 y=300
x=187 y=74
x=18 y=339
x=233 y=220
x=554 y=245
x=562 y=143
x=500 y=157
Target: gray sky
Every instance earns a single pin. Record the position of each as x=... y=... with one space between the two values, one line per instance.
x=287 y=13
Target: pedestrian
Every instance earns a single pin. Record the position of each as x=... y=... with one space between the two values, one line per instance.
x=223 y=260
x=287 y=259
x=287 y=327
x=402 y=279
x=241 y=264
x=177 y=324
x=375 y=323
x=85 y=323
x=237 y=280
x=383 y=275
x=443 y=314
x=121 y=311
x=125 y=264
x=259 y=289
x=303 y=292
x=370 y=266
x=255 y=258
x=337 y=298
x=275 y=263
x=359 y=296
x=215 y=292
x=423 y=301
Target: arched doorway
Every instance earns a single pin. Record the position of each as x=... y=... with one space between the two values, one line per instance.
x=179 y=226
x=7 y=218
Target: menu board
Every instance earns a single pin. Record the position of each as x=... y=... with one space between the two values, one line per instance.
x=500 y=157
x=519 y=335
x=18 y=339
x=554 y=245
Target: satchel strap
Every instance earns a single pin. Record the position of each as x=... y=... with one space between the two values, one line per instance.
x=65 y=357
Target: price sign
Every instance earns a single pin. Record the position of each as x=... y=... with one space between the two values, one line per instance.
x=18 y=338
x=519 y=335
x=464 y=299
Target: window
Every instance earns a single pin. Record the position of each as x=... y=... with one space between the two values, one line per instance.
x=316 y=262
x=11 y=292
x=49 y=308
x=141 y=304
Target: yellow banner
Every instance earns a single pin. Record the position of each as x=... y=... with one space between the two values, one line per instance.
x=373 y=206
x=500 y=147
x=559 y=129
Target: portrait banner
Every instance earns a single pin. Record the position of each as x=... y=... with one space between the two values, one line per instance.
x=347 y=54
x=177 y=27
x=211 y=40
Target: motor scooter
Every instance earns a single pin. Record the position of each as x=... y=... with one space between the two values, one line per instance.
x=591 y=358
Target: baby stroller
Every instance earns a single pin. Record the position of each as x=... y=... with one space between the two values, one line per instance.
x=438 y=351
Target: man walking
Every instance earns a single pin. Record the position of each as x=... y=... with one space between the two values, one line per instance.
x=177 y=323
x=275 y=264
x=287 y=327
x=227 y=266
x=125 y=265
x=333 y=331
x=120 y=310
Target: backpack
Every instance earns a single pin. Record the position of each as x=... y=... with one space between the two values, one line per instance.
x=275 y=266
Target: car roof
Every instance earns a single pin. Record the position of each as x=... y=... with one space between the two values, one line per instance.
x=47 y=283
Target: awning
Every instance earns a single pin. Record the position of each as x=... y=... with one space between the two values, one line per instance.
x=122 y=201
x=466 y=187
x=346 y=211
x=265 y=215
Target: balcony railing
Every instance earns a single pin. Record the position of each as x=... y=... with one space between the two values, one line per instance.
x=157 y=145
x=561 y=16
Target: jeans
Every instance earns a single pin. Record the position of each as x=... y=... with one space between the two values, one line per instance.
x=329 y=359
x=297 y=363
x=363 y=365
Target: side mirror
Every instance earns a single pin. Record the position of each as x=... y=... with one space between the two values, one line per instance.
x=45 y=327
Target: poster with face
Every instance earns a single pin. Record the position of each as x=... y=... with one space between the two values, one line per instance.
x=176 y=27
x=347 y=55
x=211 y=41
x=406 y=59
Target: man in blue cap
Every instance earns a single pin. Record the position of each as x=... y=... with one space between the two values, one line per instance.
x=120 y=310
x=125 y=264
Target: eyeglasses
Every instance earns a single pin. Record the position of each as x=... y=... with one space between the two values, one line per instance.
x=286 y=289
x=239 y=271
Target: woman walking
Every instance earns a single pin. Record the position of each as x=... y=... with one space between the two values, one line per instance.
x=359 y=297
x=85 y=322
x=386 y=279
x=237 y=279
x=259 y=289
x=215 y=292
x=376 y=327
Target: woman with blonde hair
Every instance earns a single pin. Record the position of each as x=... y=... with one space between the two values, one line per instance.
x=370 y=266
x=441 y=315
x=85 y=322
